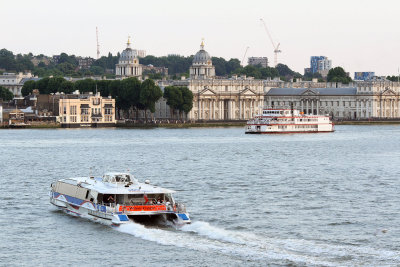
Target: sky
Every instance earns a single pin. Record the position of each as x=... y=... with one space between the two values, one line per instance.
x=356 y=35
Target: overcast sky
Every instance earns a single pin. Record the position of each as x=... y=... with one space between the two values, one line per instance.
x=358 y=35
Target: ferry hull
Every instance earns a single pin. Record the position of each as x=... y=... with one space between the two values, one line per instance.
x=103 y=214
x=289 y=132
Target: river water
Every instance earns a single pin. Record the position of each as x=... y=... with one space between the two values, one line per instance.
x=303 y=200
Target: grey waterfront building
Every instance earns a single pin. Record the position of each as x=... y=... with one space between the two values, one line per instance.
x=361 y=100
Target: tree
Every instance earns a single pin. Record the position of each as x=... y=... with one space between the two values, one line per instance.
x=103 y=87
x=96 y=70
x=187 y=97
x=54 y=85
x=6 y=94
x=338 y=74
x=28 y=87
x=67 y=87
x=129 y=95
x=114 y=88
x=174 y=98
x=7 y=60
x=232 y=65
x=86 y=85
x=149 y=94
x=66 y=68
x=41 y=85
x=393 y=78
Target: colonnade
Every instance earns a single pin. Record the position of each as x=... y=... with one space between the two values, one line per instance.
x=129 y=71
x=226 y=109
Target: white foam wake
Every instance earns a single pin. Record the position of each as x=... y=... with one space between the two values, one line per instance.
x=202 y=236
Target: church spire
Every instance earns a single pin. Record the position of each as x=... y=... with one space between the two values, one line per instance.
x=202 y=44
x=128 y=44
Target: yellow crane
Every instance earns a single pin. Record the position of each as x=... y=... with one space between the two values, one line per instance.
x=276 y=48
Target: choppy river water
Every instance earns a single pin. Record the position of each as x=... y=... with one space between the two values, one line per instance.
x=303 y=200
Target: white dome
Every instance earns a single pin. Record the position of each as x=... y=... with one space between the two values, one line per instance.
x=202 y=57
x=128 y=55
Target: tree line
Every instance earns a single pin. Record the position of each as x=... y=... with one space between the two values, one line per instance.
x=68 y=65
x=131 y=95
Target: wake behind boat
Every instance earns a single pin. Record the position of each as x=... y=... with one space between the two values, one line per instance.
x=288 y=121
x=116 y=198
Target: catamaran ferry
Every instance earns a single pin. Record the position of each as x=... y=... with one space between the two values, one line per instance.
x=117 y=198
x=288 y=121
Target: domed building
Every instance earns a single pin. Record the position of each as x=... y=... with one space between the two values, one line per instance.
x=202 y=67
x=128 y=64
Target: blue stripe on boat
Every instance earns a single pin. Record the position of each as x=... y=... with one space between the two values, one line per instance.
x=123 y=217
x=183 y=216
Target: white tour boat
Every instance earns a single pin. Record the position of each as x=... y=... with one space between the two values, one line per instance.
x=117 y=198
x=288 y=121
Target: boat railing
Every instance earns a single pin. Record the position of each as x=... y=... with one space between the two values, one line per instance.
x=150 y=201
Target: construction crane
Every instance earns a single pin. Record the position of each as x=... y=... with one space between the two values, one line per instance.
x=276 y=48
x=245 y=53
x=98 y=45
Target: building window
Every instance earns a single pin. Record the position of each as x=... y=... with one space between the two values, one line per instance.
x=72 y=110
x=85 y=119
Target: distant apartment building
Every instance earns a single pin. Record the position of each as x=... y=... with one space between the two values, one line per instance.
x=14 y=82
x=151 y=69
x=140 y=53
x=364 y=76
x=86 y=110
x=320 y=64
x=40 y=59
x=85 y=63
x=255 y=61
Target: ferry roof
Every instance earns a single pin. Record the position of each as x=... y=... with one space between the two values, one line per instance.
x=98 y=185
x=317 y=91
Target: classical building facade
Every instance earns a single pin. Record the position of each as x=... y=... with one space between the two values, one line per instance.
x=81 y=110
x=362 y=100
x=219 y=99
x=128 y=64
x=241 y=98
x=14 y=82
